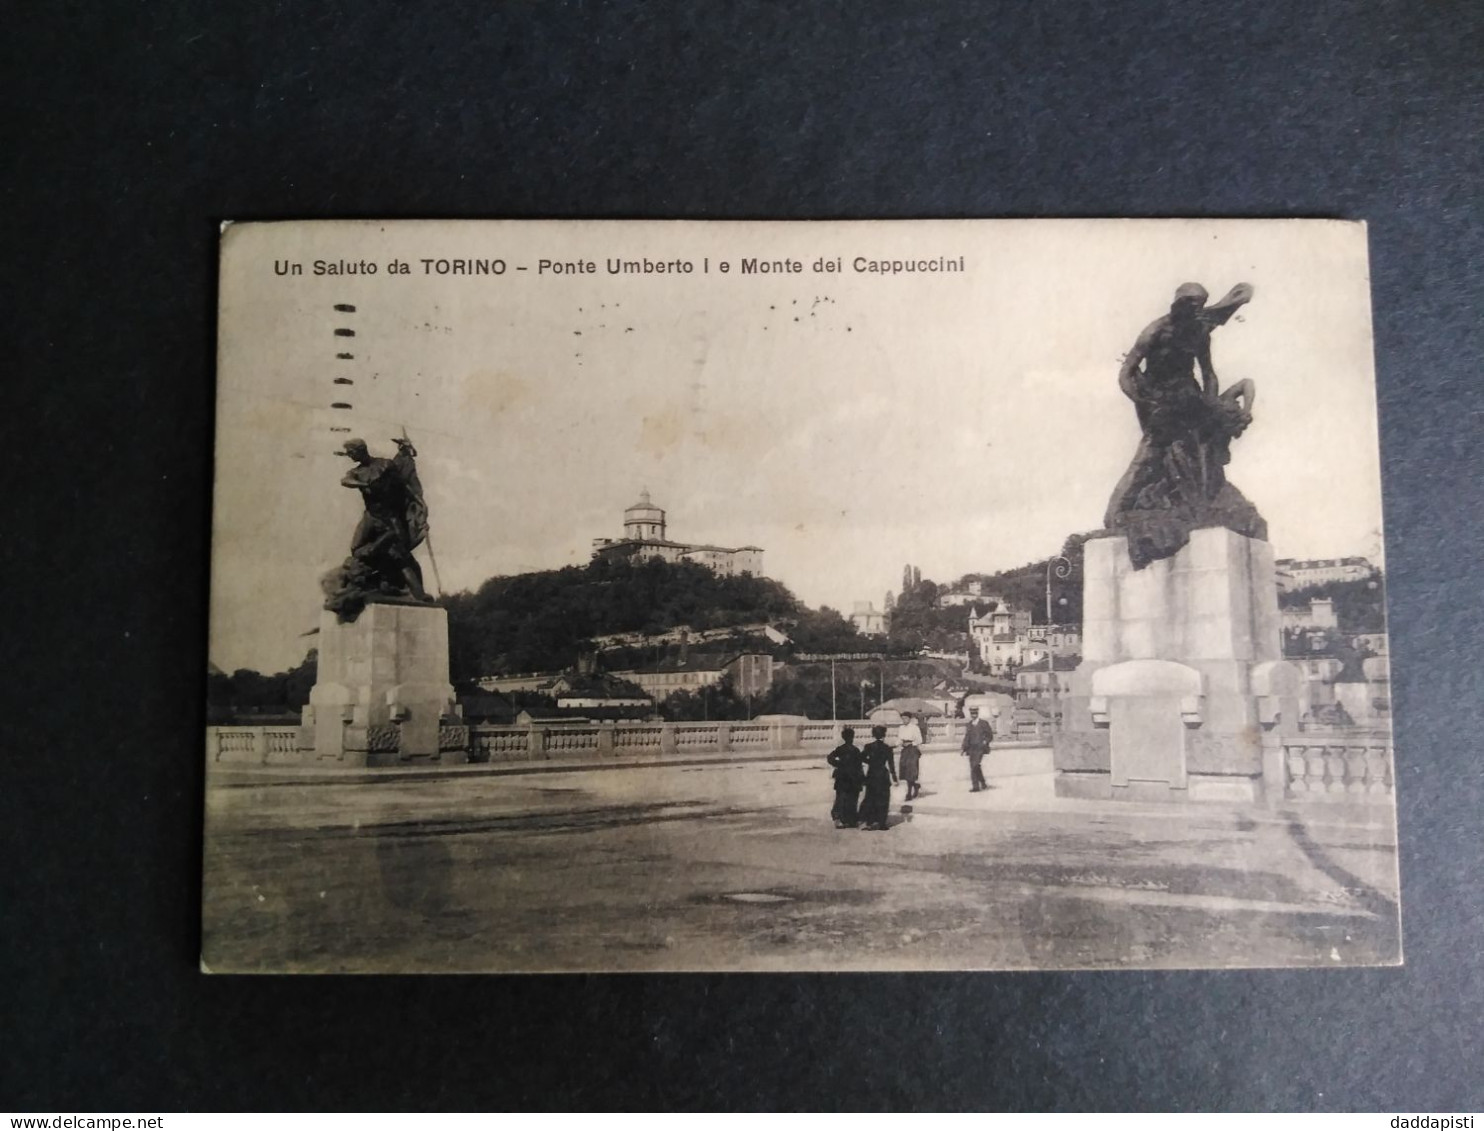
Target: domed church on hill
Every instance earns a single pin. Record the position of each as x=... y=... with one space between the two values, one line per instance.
x=644 y=537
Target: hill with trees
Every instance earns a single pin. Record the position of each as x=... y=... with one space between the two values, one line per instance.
x=543 y=621
x=918 y=622
x=1024 y=587
x=1360 y=605
x=847 y=688
x=247 y=696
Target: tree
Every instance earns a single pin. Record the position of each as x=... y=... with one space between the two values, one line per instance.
x=1360 y=604
x=542 y=621
x=825 y=630
x=247 y=692
x=718 y=702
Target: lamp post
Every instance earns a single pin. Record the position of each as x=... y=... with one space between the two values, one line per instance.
x=1063 y=570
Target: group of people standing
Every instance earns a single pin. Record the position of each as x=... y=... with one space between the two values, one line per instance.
x=874 y=769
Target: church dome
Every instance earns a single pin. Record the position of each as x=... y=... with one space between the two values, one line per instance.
x=643 y=519
x=643 y=507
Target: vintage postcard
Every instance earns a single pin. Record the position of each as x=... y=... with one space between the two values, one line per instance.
x=942 y=595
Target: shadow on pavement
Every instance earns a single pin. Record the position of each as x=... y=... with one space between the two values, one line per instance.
x=1377 y=902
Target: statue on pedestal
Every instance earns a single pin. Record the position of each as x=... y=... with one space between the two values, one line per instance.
x=1177 y=481
x=381 y=567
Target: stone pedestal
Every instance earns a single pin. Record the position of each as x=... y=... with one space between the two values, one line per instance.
x=383 y=696
x=1182 y=692
x=1358 y=700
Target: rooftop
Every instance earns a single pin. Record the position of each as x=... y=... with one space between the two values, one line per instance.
x=1063 y=664
x=695 y=662
x=687 y=547
x=1320 y=563
x=643 y=503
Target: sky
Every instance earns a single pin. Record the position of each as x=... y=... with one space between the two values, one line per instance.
x=847 y=422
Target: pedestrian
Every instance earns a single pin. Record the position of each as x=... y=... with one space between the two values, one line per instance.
x=909 y=734
x=881 y=775
x=850 y=776
x=977 y=737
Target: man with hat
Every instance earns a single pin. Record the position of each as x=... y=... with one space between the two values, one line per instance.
x=978 y=734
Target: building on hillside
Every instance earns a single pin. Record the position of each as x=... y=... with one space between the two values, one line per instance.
x=595 y=691
x=593 y=702
x=608 y=714
x=994 y=632
x=1318 y=613
x=1341 y=672
x=585 y=686
x=1301 y=641
x=1035 y=681
x=868 y=620
x=685 y=634
x=525 y=681
x=1006 y=639
x=1295 y=573
x=972 y=593
x=645 y=538
x=751 y=672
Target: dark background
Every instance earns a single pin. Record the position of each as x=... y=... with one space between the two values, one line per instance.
x=132 y=129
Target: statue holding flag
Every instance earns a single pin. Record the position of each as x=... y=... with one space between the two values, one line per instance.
x=381 y=566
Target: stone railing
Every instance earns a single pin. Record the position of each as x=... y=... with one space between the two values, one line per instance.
x=260 y=746
x=630 y=741
x=617 y=742
x=1332 y=768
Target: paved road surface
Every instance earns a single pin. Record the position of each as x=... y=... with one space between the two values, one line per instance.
x=739 y=867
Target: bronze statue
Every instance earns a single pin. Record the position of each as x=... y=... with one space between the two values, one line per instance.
x=381 y=566
x=1177 y=481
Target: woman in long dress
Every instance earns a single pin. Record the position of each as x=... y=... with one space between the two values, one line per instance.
x=849 y=777
x=909 y=735
x=881 y=775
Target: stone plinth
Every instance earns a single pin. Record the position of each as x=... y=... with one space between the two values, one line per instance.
x=1358 y=699
x=382 y=694
x=1182 y=692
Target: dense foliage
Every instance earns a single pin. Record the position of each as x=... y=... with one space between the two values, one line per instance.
x=542 y=621
x=917 y=621
x=1360 y=605
x=805 y=689
x=246 y=696
x=1024 y=587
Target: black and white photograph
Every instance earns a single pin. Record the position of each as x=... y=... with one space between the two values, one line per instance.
x=624 y=596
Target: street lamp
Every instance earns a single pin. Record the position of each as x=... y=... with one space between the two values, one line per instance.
x=1063 y=570
x=865 y=683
